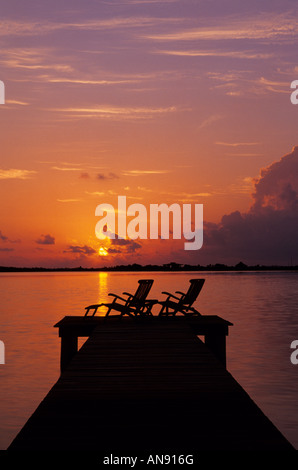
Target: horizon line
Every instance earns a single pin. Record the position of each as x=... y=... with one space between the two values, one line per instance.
x=172 y=266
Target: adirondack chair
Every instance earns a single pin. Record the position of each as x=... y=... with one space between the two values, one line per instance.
x=132 y=304
x=182 y=303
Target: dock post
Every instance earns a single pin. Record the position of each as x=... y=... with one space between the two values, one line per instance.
x=69 y=347
x=216 y=342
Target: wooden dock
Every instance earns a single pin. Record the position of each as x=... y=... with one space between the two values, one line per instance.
x=146 y=385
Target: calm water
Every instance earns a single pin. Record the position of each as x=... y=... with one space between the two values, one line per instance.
x=262 y=306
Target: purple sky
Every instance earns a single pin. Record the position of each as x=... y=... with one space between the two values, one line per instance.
x=161 y=101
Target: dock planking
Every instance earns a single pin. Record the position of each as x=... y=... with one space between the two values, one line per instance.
x=144 y=385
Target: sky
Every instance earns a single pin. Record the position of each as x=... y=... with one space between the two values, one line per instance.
x=168 y=101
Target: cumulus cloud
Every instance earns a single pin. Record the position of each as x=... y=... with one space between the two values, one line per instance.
x=83 y=250
x=110 y=176
x=278 y=184
x=268 y=232
x=130 y=246
x=3 y=237
x=121 y=245
x=45 y=240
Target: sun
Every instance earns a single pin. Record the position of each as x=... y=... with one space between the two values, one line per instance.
x=102 y=251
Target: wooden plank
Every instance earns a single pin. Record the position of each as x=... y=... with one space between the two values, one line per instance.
x=144 y=386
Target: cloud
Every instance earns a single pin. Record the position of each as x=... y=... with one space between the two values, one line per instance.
x=236 y=144
x=95 y=193
x=68 y=200
x=83 y=250
x=59 y=168
x=242 y=82
x=20 y=103
x=14 y=173
x=3 y=237
x=130 y=247
x=210 y=120
x=276 y=27
x=121 y=245
x=82 y=81
x=33 y=28
x=278 y=185
x=45 y=240
x=216 y=53
x=145 y=172
x=268 y=232
x=114 y=112
x=34 y=59
x=110 y=176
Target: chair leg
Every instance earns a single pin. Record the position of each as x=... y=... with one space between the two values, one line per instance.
x=161 y=312
x=109 y=310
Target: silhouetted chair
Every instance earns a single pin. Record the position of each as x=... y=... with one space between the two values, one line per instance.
x=184 y=302
x=132 y=305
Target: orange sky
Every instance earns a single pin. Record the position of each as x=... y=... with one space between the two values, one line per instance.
x=161 y=101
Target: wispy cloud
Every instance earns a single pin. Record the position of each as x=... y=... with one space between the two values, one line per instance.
x=274 y=85
x=14 y=173
x=33 y=28
x=115 y=112
x=210 y=120
x=68 y=200
x=236 y=144
x=242 y=82
x=17 y=102
x=187 y=196
x=276 y=27
x=147 y=190
x=36 y=58
x=216 y=53
x=243 y=154
x=66 y=168
x=84 y=81
x=95 y=193
x=145 y=172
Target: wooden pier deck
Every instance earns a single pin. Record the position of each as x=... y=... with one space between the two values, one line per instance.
x=146 y=385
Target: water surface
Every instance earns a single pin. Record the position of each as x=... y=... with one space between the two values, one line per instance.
x=263 y=306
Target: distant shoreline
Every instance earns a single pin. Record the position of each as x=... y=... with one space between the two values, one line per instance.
x=154 y=268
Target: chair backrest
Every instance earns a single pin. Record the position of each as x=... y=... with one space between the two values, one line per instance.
x=193 y=291
x=142 y=291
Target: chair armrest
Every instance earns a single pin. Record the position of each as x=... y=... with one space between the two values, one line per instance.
x=118 y=297
x=127 y=293
x=178 y=292
x=171 y=295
